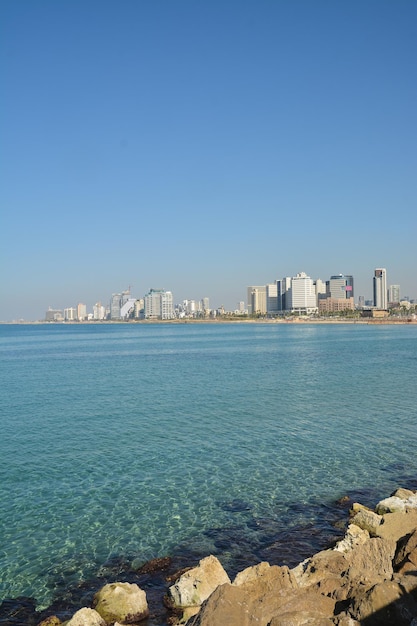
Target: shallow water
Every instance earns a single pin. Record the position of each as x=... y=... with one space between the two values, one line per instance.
x=145 y=440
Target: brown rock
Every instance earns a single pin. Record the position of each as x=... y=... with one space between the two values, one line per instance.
x=390 y=505
x=367 y=520
x=397 y=525
x=344 y=619
x=300 y=618
x=282 y=577
x=155 y=565
x=196 y=585
x=404 y=494
x=86 y=617
x=255 y=601
x=408 y=582
x=406 y=551
x=121 y=602
x=384 y=604
x=371 y=562
x=354 y=536
x=328 y=564
x=356 y=506
x=51 y=621
x=306 y=602
x=226 y=605
x=343 y=500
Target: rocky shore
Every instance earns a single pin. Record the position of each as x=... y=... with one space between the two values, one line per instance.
x=369 y=577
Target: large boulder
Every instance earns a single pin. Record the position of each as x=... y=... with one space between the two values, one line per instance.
x=371 y=562
x=354 y=536
x=358 y=561
x=368 y=520
x=196 y=585
x=260 y=603
x=328 y=564
x=406 y=555
x=301 y=618
x=86 y=617
x=305 y=606
x=404 y=494
x=397 y=525
x=401 y=501
x=254 y=598
x=393 y=504
x=121 y=602
x=282 y=576
x=384 y=604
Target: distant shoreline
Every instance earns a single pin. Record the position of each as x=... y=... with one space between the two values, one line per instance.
x=295 y=320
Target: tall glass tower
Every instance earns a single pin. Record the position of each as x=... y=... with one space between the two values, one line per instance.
x=380 y=289
x=340 y=287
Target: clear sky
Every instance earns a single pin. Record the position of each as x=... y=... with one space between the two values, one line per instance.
x=204 y=146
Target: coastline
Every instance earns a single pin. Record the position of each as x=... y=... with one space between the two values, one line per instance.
x=294 y=320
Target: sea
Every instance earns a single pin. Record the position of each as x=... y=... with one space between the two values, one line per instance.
x=121 y=443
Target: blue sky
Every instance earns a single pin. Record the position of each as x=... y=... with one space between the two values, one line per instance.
x=203 y=146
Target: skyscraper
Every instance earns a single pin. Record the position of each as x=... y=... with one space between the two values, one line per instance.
x=338 y=296
x=115 y=306
x=340 y=287
x=302 y=295
x=272 y=298
x=283 y=293
x=380 y=288
x=81 y=311
x=159 y=304
x=394 y=294
x=257 y=299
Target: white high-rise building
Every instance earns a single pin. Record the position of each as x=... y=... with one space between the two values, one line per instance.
x=272 y=298
x=128 y=308
x=205 y=304
x=81 y=311
x=99 y=311
x=394 y=294
x=301 y=297
x=257 y=299
x=380 y=289
x=70 y=314
x=167 y=306
x=320 y=286
x=159 y=304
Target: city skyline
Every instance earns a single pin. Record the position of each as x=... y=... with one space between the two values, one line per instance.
x=90 y=301
x=337 y=286
x=204 y=147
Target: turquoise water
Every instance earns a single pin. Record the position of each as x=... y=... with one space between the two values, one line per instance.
x=133 y=439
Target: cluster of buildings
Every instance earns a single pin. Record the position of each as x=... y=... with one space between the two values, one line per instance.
x=298 y=295
x=301 y=295
x=156 y=304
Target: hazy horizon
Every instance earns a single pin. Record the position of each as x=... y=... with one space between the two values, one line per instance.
x=204 y=147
